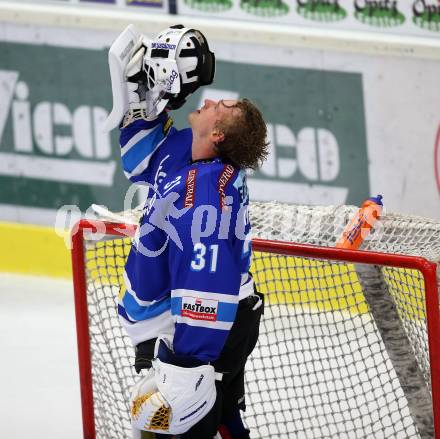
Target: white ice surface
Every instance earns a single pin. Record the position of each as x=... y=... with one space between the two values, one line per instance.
x=39 y=381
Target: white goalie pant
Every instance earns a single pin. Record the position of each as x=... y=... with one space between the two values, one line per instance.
x=171 y=399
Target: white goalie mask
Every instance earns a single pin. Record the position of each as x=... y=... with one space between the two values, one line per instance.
x=178 y=61
x=173 y=65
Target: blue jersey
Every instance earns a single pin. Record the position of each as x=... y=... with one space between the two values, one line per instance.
x=189 y=262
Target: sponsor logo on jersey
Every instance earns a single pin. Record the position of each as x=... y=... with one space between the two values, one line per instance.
x=199 y=309
x=190 y=188
x=171 y=185
x=224 y=179
x=163 y=46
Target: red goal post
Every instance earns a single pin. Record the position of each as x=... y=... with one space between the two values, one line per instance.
x=274 y=260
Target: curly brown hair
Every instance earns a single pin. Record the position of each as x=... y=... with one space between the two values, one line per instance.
x=244 y=142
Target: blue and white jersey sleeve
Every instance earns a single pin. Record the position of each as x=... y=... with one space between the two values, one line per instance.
x=139 y=141
x=206 y=266
x=144 y=316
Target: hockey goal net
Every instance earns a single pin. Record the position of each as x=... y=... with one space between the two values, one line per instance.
x=349 y=344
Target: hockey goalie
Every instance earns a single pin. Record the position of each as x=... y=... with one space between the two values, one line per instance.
x=189 y=303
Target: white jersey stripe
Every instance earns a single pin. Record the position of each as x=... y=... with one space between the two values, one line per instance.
x=144 y=163
x=203 y=323
x=134 y=140
x=148 y=329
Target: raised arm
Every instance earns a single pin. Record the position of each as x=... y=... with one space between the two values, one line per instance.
x=150 y=77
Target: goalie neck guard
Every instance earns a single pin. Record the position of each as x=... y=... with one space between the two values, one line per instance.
x=180 y=61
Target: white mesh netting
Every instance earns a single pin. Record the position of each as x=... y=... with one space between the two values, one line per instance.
x=343 y=349
x=323 y=225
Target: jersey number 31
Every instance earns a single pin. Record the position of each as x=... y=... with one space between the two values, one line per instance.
x=200 y=257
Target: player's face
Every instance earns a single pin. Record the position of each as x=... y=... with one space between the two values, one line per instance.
x=203 y=121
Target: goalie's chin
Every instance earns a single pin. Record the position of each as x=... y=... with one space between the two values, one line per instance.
x=192 y=116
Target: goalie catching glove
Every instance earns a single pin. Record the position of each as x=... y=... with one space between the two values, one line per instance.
x=172 y=398
x=150 y=76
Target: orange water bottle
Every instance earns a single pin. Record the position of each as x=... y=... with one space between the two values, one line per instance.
x=360 y=226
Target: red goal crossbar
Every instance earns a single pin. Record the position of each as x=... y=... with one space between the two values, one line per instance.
x=427 y=268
